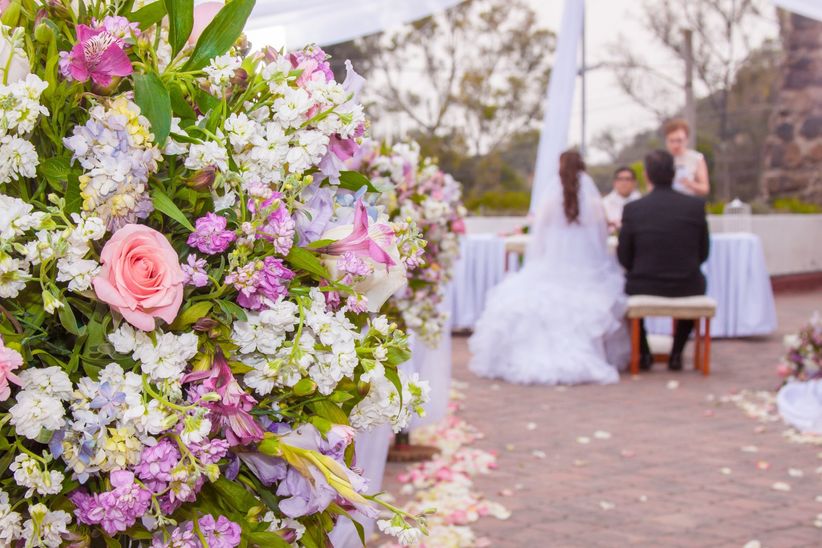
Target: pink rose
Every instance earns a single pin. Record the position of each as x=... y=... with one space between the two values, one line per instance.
x=203 y=15
x=141 y=276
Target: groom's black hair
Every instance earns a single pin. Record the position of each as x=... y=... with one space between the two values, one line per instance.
x=659 y=167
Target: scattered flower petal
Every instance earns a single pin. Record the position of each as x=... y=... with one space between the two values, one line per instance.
x=584 y=440
x=602 y=435
x=672 y=385
x=781 y=486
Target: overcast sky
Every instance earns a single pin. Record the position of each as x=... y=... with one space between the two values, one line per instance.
x=607 y=106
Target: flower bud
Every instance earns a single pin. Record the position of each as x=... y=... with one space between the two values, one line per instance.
x=11 y=14
x=205 y=324
x=203 y=179
x=239 y=79
x=43 y=33
x=106 y=90
x=50 y=302
x=212 y=471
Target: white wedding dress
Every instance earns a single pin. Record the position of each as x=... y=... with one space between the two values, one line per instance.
x=559 y=320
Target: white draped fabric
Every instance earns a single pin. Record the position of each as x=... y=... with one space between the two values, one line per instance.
x=295 y=23
x=800 y=405
x=737 y=278
x=554 y=135
x=808 y=8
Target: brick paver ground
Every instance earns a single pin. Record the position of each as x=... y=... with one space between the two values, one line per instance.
x=668 y=448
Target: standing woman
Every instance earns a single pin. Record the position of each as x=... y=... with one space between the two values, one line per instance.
x=691 y=169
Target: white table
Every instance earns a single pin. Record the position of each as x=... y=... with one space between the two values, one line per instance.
x=736 y=272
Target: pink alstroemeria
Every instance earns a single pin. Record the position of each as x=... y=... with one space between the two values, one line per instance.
x=97 y=55
x=232 y=409
x=10 y=359
x=365 y=240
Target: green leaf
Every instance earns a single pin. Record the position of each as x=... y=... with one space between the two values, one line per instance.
x=319 y=244
x=74 y=200
x=56 y=168
x=220 y=34
x=322 y=424
x=396 y=356
x=232 y=310
x=330 y=411
x=393 y=376
x=302 y=259
x=147 y=16
x=340 y=397
x=180 y=23
x=167 y=206
x=353 y=180
x=266 y=538
x=152 y=97
x=179 y=105
x=192 y=314
x=67 y=319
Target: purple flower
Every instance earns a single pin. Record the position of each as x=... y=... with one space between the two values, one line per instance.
x=119 y=27
x=357 y=303
x=210 y=235
x=301 y=496
x=222 y=533
x=361 y=242
x=269 y=470
x=231 y=411
x=210 y=452
x=279 y=230
x=313 y=220
x=195 y=273
x=351 y=264
x=114 y=510
x=156 y=463
x=98 y=55
x=182 y=537
x=260 y=282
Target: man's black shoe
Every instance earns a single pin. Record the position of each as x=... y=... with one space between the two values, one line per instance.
x=675 y=362
x=646 y=361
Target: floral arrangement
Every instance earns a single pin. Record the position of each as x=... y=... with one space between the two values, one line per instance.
x=189 y=283
x=803 y=360
x=415 y=189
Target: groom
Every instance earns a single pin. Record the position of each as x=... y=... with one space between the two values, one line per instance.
x=662 y=245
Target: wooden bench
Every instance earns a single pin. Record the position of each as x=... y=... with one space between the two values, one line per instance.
x=699 y=308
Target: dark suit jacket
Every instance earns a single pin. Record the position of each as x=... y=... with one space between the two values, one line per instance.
x=663 y=242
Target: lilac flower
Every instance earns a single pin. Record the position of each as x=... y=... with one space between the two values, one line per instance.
x=114 y=510
x=279 y=230
x=222 y=533
x=210 y=235
x=156 y=463
x=119 y=27
x=182 y=537
x=259 y=282
x=195 y=271
x=353 y=265
x=210 y=452
x=269 y=470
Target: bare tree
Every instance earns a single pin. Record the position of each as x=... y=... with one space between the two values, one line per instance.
x=725 y=33
x=477 y=72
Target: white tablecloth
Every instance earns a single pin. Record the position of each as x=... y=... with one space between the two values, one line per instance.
x=736 y=272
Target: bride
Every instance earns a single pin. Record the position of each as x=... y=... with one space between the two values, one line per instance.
x=559 y=320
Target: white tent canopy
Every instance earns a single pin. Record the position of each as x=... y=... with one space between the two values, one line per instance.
x=808 y=8
x=295 y=23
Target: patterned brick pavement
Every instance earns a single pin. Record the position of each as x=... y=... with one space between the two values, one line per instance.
x=677 y=469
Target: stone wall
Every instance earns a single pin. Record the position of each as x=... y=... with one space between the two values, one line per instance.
x=793 y=150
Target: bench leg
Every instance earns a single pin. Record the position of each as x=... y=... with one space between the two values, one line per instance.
x=706 y=362
x=635 y=346
x=698 y=344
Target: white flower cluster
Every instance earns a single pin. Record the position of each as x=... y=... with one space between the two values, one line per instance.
x=116 y=149
x=382 y=403
x=162 y=356
x=20 y=109
x=16 y=218
x=406 y=534
x=44 y=528
x=220 y=72
x=40 y=402
x=109 y=423
x=32 y=473
x=325 y=350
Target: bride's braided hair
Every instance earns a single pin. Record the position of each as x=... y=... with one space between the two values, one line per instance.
x=570 y=166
